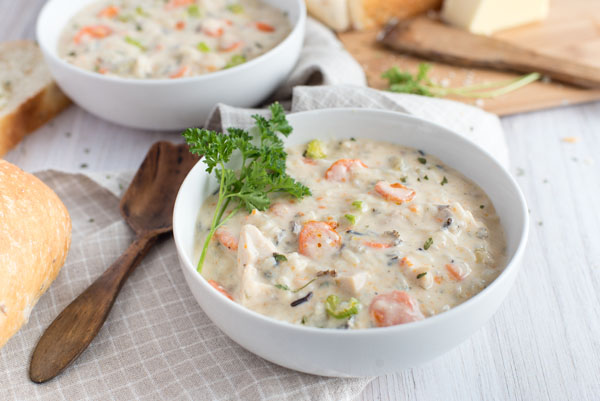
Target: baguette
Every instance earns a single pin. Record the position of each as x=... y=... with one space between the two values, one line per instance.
x=35 y=235
x=28 y=95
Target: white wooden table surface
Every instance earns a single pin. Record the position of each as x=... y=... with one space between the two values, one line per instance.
x=544 y=342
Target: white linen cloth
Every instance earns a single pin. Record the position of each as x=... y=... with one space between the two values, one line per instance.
x=157 y=343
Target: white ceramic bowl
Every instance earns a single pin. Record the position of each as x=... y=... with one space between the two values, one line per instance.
x=168 y=104
x=375 y=351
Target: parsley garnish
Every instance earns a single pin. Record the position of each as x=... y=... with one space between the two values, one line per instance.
x=421 y=275
x=428 y=243
x=262 y=167
x=421 y=84
x=444 y=181
x=422 y=160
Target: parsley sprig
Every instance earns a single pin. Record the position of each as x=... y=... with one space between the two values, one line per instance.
x=262 y=170
x=420 y=84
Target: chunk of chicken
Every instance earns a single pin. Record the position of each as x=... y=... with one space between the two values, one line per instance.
x=253 y=247
x=352 y=283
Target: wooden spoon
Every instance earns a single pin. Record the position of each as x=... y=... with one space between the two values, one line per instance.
x=147 y=206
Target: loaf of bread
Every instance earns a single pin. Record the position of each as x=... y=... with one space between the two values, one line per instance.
x=28 y=95
x=342 y=15
x=35 y=234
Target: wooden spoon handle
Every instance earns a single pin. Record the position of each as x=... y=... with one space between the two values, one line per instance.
x=77 y=325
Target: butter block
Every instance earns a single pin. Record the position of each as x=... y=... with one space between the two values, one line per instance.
x=489 y=16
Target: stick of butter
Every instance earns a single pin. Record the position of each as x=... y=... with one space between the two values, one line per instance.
x=488 y=16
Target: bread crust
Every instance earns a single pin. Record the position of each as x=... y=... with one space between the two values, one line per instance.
x=367 y=14
x=34 y=111
x=35 y=235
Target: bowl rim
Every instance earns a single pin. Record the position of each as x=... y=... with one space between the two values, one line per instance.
x=297 y=29
x=512 y=263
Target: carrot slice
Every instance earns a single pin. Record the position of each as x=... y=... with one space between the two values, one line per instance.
x=180 y=25
x=340 y=170
x=95 y=31
x=264 y=27
x=178 y=3
x=180 y=72
x=220 y=288
x=456 y=272
x=226 y=239
x=395 y=192
x=214 y=33
x=232 y=47
x=406 y=262
x=109 y=12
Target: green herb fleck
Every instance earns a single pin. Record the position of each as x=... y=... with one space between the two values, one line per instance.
x=124 y=17
x=422 y=160
x=358 y=204
x=353 y=139
x=426 y=178
x=203 y=47
x=262 y=172
x=135 y=43
x=279 y=257
x=140 y=11
x=236 y=59
x=350 y=218
x=304 y=319
x=428 y=243
x=444 y=181
x=421 y=275
x=349 y=308
x=83 y=165
x=236 y=8
x=403 y=179
x=481 y=206
x=282 y=287
x=193 y=10
x=314 y=150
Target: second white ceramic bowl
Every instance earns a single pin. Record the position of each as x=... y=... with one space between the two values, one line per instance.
x=168 y=104
x=375 y=351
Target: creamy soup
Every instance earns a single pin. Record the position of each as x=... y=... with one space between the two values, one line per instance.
x=390 y=235
x=170 y=38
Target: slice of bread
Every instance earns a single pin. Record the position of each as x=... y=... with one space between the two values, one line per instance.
x=341 y=15
x=35 y=234
x=367 y=14
x=28 y=95
x=333 y=13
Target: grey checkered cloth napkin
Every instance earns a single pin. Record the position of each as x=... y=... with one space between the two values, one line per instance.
x=157 y=343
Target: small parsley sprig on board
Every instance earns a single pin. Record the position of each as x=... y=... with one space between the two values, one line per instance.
x=262 y=169
x=420 y=84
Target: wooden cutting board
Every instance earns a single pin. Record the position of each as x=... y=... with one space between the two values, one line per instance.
x=572 y=31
